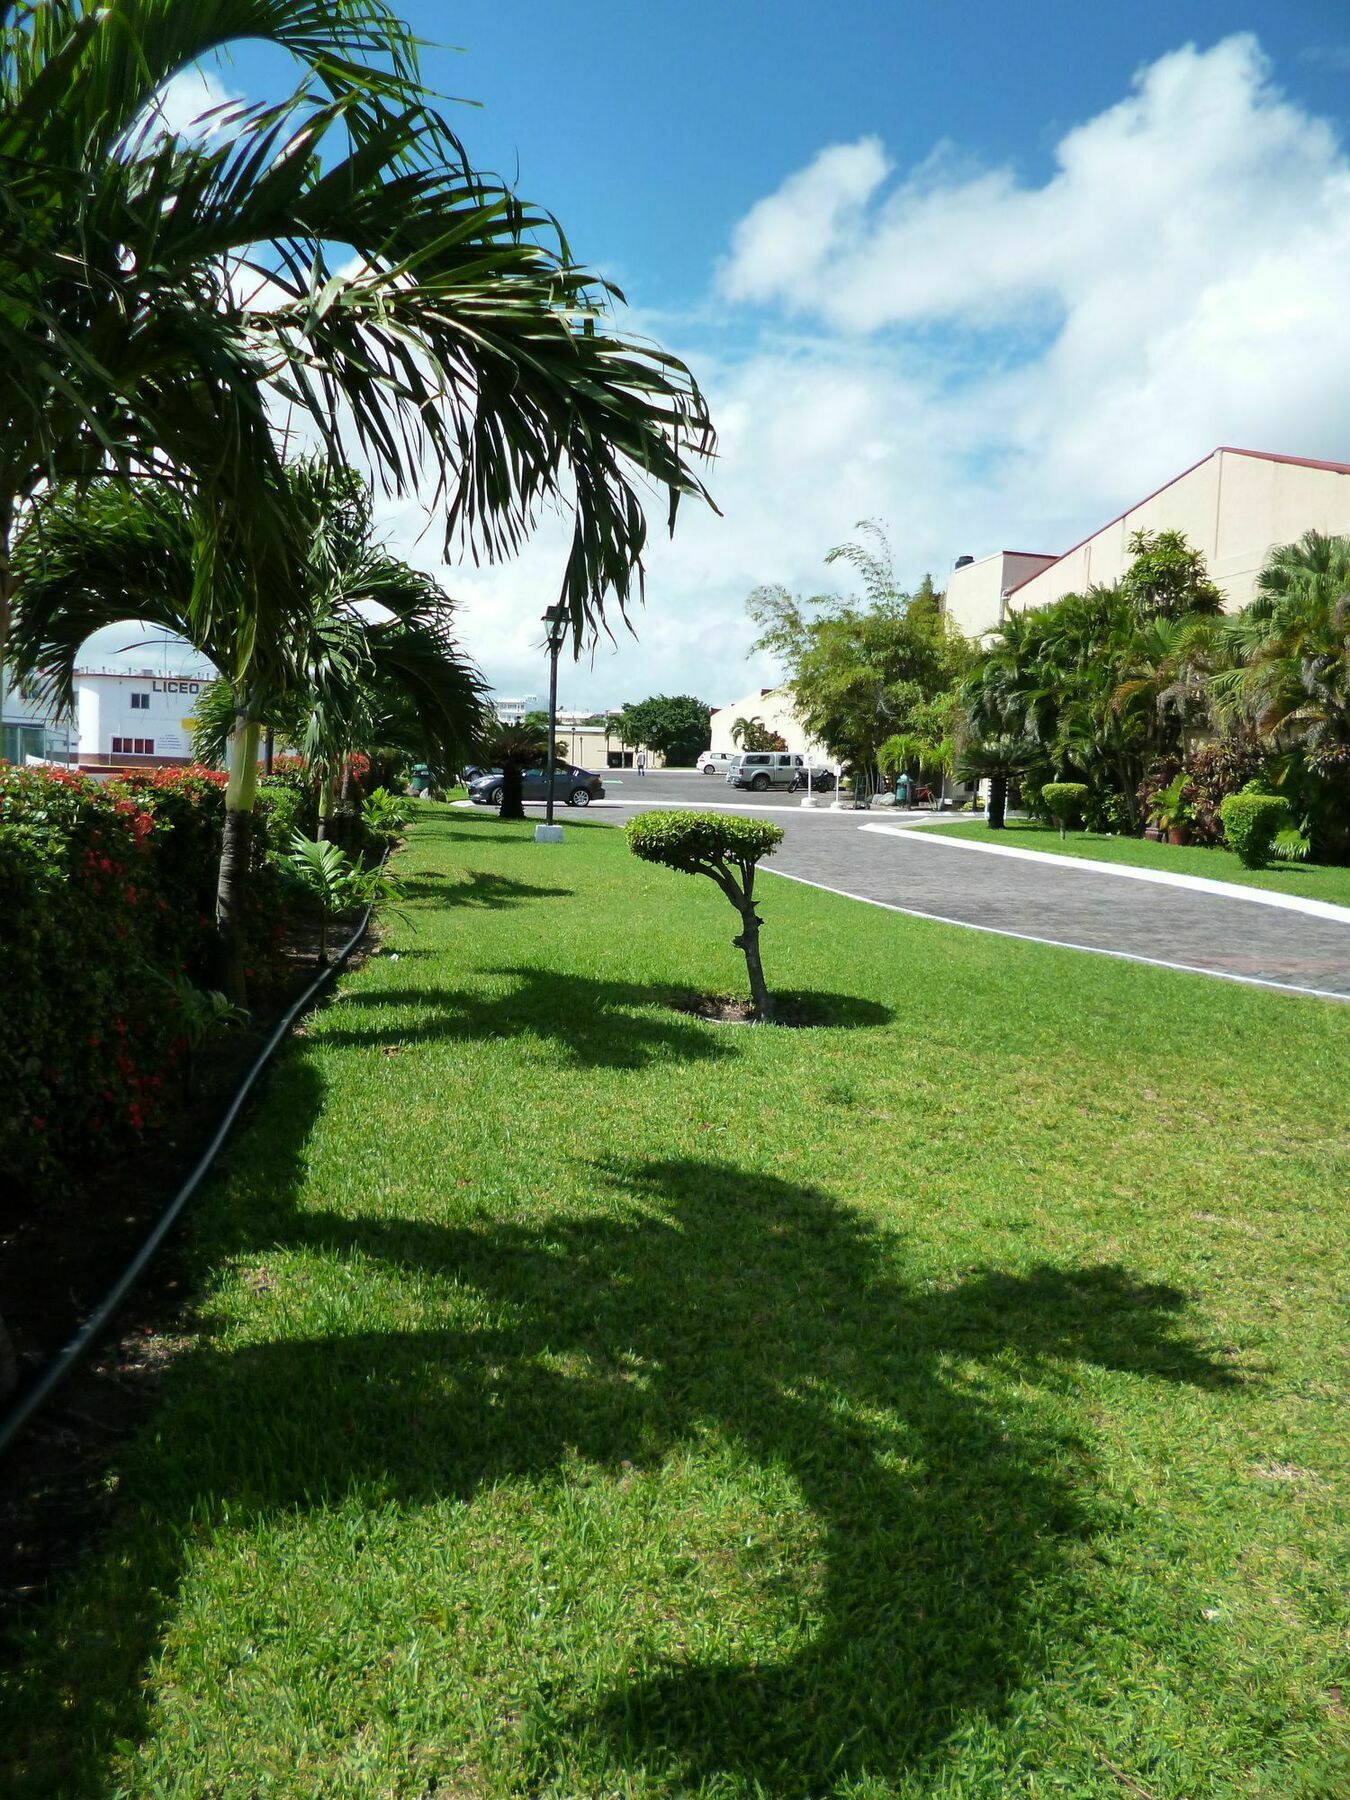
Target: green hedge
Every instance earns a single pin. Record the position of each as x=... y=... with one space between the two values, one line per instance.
x=105 y=890
x=1250 y=824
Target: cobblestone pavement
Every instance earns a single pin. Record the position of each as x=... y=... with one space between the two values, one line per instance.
x=1175 y=926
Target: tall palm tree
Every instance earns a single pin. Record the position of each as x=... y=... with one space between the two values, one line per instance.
x=92 y=555
x=334 y=251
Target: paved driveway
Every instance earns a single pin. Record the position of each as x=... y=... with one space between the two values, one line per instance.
x=1178 y=927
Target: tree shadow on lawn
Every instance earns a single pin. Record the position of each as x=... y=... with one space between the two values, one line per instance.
x=596 y=1023
x=918 y=1422
x=479 y=888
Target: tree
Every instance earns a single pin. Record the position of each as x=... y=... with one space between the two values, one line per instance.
x=334 y=251
x=675 y=725
x=516 y=748
x=89 y=556
x=727 y=850
x=1167 y=577
x=754 y=734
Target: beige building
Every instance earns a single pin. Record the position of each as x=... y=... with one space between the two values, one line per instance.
x=1234 y=506
x=600 y=747
x=774 y=709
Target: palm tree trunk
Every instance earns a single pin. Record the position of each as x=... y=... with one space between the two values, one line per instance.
x=6 y=589
x=234 y=854
x=513 y=793
x=9 y=1366
x=269 y=751
x=998 y=801
x=325 y=825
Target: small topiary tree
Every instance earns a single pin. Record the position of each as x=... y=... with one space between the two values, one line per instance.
x=726 y=849
x=1250 y=822
x=1065 y=801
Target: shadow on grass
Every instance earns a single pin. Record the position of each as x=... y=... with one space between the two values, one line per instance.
x=479 y=888
x=702 y=1304
x=595 y=1024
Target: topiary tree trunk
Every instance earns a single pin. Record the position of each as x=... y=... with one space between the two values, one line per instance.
x=998 y=802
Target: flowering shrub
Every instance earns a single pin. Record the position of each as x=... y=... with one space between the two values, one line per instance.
x=105 y=889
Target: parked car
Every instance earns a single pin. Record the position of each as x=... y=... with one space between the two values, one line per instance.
x=762 y=769
x=578 y=787
x=715 y=762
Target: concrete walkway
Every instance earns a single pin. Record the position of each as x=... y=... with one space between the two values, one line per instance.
x=1040 y=898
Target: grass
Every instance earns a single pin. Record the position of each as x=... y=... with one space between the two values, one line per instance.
x=591 y=1401
x=1316 y=881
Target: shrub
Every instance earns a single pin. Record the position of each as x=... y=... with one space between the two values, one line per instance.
x=105 y=891
x=1250 y=824
x=333 y=882
x=1212 y=772
x=726 y=849
x=1065 y=801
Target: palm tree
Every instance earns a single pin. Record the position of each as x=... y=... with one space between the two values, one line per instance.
x=336 y=251
x=91 y=556
x=516 y=748
x=1293 y=641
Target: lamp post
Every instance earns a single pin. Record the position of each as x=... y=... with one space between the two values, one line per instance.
x=555 y=619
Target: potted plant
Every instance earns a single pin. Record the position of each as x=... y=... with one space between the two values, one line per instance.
x=1171 y=813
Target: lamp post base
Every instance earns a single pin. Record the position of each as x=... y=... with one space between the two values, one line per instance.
x=548 y=834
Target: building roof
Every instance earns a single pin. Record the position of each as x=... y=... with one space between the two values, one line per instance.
x=1300 y=462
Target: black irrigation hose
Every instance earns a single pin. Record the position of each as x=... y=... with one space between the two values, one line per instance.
x=66 y=1360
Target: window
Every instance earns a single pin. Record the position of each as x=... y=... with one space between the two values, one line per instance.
x=140 y=703
x=125 y=746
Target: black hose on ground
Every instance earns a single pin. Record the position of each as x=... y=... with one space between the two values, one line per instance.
x=79 y=1346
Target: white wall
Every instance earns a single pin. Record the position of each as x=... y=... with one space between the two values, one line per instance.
x=974 y=593
x=1235 y=507
x=774 y=708
x=106 y=712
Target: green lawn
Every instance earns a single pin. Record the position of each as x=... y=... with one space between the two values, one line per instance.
x=591 y=1401
x=1316 y=881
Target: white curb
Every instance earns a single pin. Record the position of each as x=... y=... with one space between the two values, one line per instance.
x=1199 y=884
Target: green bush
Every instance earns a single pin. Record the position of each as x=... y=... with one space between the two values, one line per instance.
x=106 y=892
x=1250 y=824
x=1065 y=801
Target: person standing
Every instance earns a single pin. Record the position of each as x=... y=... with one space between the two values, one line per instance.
x=642 y=762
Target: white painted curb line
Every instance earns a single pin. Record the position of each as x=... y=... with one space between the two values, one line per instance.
x=1199 y=884
x=1026 y=937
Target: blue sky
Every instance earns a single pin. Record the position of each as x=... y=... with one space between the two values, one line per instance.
x=987 y=273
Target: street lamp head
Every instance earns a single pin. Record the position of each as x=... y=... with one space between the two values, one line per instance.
x=556 y=619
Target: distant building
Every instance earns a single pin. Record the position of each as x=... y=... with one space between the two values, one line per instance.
x=511 y=712
x=776 y=711
x=1234 y=506
x=135 y=721
x=30 y=727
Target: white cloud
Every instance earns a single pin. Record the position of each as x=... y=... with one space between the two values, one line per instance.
x=185 y=102
x=980 y=360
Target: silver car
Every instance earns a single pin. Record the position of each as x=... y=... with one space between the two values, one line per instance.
x=762 y=769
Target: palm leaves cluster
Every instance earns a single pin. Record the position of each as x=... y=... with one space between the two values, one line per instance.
x=1100 y=686
x=332 y=258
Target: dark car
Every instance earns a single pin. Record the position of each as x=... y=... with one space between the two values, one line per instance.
x=578 y=787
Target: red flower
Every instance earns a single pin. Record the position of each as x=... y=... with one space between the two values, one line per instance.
x=37 y=1122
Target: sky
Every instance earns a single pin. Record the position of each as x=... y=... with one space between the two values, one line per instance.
x=985 y=274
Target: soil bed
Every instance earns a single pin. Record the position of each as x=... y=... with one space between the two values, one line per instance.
x=59 y=1256
x=717 y=1009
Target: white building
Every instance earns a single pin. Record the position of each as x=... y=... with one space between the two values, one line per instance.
x=776 y=711
x=511 y=712
x=30 y=727
x=1234 y=506
x=135 y=721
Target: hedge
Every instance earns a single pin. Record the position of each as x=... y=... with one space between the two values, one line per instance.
x=1250 y=822
x=104 y=891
